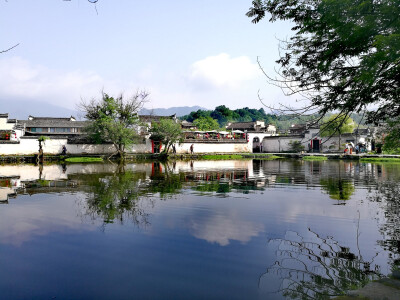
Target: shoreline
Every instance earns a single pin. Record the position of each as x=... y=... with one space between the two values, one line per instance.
x=5 y=159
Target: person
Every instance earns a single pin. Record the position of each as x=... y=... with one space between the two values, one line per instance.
x=191 y=149
x=64 y=150
x=173 y=149
x=357 y=149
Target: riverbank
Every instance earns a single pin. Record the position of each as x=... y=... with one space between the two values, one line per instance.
x=211 y=156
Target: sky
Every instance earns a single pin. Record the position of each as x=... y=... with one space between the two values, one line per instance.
x=184 y=53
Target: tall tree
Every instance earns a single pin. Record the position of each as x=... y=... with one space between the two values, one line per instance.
x=114 y=120
x=167 y=131
x=344 y=54
x=206 y=123
x=337 y=124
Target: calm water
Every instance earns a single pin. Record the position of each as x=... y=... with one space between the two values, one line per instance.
x=197 y=230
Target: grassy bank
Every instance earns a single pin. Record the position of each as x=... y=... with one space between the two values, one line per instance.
x=83 y=159
x=380 y=159
x=315 y=158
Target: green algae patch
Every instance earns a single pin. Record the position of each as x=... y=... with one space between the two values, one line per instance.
x=315 y=157
x=83 y=159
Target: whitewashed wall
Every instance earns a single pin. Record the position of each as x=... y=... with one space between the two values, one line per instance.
x=280 y=144
x=30 y=146
x=213 y=148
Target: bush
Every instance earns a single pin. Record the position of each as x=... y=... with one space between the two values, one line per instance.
x=295 y=146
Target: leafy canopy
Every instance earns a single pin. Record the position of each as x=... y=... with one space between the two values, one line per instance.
x=167 y=131
x=206 y=123
x=114 y=120
x=344 y=54
x=337 y=124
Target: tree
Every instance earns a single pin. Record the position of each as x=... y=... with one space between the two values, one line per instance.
x=337 y=123
x=392 y=139
x=168 y=132
x=344 y=54
x=114 y=120
x=295 y=146
x=206 y=123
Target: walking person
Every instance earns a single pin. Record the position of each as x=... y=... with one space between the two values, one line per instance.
x=191 y=149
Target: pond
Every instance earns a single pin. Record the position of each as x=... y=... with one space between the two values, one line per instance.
x=246 y=229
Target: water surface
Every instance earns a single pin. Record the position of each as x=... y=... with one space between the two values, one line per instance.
x=193 y=230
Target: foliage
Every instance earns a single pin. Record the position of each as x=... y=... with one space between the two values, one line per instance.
x=83 y=159
x=206 y=123
x=116 y=197
x=392 y=139
x=337 y=189
x=114 y=120
x=295 y=146
x=344 y=55
x=43 y=138
x=168 y=132
x=337 y=123
x=224 y=115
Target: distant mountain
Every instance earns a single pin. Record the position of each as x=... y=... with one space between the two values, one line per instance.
x=21 y=109
x=179 y=111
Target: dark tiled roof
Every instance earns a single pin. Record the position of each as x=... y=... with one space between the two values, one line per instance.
x=241 y=125
x=4 y=115
x=52 y=122
x=152 y=118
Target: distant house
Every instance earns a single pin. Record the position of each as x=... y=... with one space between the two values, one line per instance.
x=35 y=126
x=256 y=126
x=188 y=125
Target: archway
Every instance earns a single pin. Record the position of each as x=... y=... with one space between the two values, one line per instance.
x=256 y=145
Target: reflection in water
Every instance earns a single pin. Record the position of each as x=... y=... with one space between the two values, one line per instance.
x=337 y=188
x=312 y=267
x=220 y=208
x=387 y=195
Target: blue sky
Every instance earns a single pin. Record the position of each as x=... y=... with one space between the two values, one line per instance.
x=183 y=52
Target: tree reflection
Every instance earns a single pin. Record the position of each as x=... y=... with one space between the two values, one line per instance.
x=116 y=196
x=387 y=195
x=312 y=267
x=337 y=188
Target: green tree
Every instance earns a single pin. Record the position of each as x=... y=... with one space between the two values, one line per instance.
x=392 y=139
x=337 y=124
x=168 y=132
x=206 y=123
x=337 y=188
x=295 y=146
x=114 y=120
x=344 y=54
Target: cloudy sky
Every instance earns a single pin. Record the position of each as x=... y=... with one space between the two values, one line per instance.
x=183 y=52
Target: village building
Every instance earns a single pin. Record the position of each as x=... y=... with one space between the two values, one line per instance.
x=47 y=126
x=21 y=137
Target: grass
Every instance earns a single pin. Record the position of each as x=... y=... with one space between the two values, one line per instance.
x=379 y=159
x=222 y=157
x=315 y=157
x=83 y=159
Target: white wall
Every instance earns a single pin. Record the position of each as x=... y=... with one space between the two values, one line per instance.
x=213 y=148
x=30 y=146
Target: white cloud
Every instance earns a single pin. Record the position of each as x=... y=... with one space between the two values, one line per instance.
x=222 y=229
x=21 y=79
x=223 y=71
